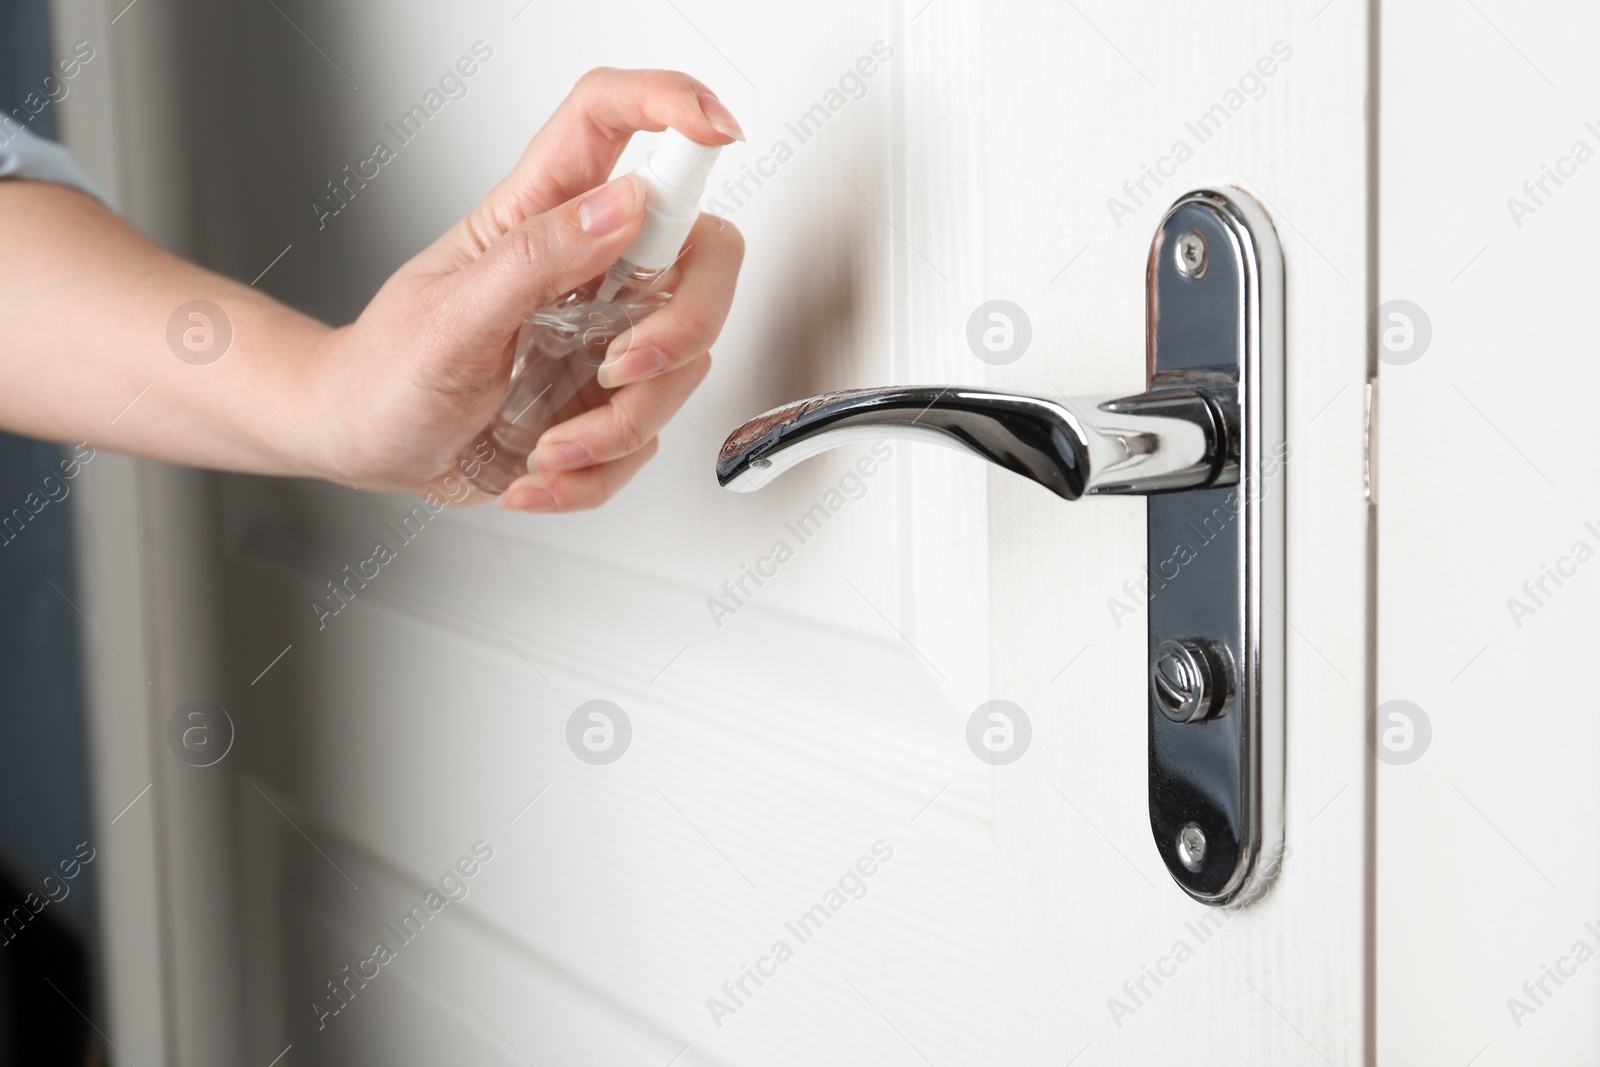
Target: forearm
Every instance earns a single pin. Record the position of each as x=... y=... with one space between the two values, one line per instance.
x=86 y=302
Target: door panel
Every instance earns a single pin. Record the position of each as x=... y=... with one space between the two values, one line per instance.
x=816 y=722
x=1488 y=874
x=1069 y=121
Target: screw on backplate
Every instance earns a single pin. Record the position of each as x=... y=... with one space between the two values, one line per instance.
x=1192 y=846
x=1192 y=254
x=760 y=464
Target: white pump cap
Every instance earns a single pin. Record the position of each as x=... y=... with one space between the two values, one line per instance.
x=674 y=177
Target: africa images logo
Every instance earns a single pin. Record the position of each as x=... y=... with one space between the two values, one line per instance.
x=851 y=885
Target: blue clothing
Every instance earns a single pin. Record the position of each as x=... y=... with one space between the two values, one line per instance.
x=27 y=156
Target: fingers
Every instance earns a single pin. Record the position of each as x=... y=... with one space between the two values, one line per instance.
x=631 y=416
x=578 y=148
x=544 y=256
x=578 y=490
x=689 y=323
x=586 y=460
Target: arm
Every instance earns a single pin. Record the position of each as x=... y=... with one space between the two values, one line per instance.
x=388 y=401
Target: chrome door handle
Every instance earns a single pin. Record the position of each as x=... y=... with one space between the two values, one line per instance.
x=1205 y=441
x=1167 y=438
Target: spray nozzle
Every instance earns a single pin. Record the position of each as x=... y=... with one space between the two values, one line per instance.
x=674 y=178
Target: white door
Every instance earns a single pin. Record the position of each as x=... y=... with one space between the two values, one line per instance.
x=793 y=721
x=1488 y=924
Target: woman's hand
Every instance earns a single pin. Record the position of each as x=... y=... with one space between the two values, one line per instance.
x=99 y=323
x=403 y=390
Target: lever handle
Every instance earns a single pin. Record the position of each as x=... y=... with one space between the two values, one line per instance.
x=1164 y=439
x=1212 y=416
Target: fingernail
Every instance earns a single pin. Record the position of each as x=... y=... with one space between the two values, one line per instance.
x=565 y=456
x=721 y=119
x=634 y=365
x=608 y=207
x=528 y=499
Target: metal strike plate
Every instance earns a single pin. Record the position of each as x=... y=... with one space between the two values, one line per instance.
x=1216 y=556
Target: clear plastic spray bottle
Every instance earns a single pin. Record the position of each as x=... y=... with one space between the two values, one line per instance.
x=560 y=348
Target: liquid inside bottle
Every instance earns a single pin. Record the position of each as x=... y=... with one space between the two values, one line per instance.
x=559 y=352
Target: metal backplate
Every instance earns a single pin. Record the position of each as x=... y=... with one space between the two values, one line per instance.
x=1216 y=581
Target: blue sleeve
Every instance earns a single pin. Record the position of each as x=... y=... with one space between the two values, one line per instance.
x=24 y=155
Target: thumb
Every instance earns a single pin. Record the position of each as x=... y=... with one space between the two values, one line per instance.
x=546 y=255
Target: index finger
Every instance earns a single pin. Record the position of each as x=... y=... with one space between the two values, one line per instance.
x=581 y=143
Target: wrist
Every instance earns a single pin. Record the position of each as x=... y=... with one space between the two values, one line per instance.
x=305 y=439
